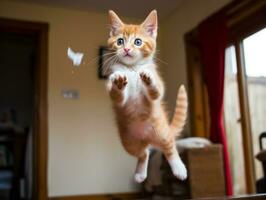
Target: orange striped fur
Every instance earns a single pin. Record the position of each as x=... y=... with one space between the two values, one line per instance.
x=137 y=89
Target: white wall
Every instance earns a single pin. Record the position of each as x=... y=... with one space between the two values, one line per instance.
x=182 y=20
x=85 y=155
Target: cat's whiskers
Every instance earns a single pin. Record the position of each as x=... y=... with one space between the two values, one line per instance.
x=115 y=60
x=108 y=60
x=101 y=56
x=160 y=60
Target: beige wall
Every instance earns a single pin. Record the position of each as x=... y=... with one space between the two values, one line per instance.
x=85 y=155
x=184 y=19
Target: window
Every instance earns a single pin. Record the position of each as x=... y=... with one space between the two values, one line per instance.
x=254 y=68
x=245 y=89
x=232 y=122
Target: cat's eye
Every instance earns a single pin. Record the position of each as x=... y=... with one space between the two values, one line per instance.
x=120 y=41
x=138 y=42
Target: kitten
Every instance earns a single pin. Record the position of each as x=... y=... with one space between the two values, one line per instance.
x=136 y=90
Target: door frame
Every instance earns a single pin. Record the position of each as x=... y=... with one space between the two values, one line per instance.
x=38 y=30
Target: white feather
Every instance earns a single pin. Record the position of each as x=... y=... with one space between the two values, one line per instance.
x=76 y=57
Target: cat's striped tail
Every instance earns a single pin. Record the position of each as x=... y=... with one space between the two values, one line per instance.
x=180 y=114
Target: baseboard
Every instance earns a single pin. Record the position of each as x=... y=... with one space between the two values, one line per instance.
x=116 y=196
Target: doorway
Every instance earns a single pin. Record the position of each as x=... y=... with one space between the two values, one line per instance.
x=23 y=109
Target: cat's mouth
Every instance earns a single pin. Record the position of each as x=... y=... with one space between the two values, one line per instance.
x=127 y=55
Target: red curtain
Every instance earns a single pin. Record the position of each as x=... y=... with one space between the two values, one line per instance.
x=213 y=40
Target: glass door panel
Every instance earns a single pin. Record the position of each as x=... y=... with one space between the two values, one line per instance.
x=255 y=68
x=232 y=122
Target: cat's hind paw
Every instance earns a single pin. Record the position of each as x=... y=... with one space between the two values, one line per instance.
x=178 y=168
x=139 y=177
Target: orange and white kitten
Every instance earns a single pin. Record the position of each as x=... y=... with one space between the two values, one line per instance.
x=136 y=90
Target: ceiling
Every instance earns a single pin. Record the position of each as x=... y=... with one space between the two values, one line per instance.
x=129 y=8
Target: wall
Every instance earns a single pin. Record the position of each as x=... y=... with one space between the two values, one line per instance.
x=186 y=17
x=85 y=155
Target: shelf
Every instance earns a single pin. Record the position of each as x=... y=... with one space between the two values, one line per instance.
x=8 y=167
x=6 y=141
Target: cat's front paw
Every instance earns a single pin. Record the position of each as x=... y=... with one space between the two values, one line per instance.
x=119 y=80
x=146 y=77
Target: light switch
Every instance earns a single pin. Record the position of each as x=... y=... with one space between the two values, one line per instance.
x=70 y=94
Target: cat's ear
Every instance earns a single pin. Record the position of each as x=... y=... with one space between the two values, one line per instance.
x=150 y=24
x=115 y=23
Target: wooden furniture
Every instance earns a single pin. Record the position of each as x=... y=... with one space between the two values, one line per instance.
x=205 y=175
x=14 y=144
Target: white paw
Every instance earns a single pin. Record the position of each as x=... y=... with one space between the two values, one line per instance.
x=146 y=76
x=119 y=79
x=178 y=168
x=139 y=177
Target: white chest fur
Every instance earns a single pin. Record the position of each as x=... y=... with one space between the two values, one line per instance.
x=135 y=88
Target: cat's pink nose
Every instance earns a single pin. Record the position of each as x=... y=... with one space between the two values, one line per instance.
x=126 y=50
